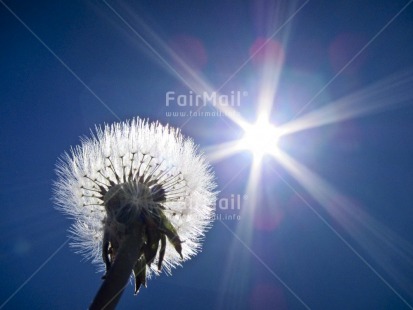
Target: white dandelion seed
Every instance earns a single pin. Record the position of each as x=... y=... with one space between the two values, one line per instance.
x=134 y=174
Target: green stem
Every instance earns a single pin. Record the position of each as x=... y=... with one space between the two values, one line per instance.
x=118 y=275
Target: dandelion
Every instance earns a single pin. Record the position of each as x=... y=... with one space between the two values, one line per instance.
x=141 y=196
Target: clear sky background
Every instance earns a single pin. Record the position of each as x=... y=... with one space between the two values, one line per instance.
x=68 y=65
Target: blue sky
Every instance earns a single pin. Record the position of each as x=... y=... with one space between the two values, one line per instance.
x=332 y=230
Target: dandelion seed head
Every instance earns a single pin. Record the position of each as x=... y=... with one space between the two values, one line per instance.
x=129 y=164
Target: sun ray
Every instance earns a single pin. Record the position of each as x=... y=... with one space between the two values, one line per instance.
x=386 y=94
x=271 y=66
x=173 y=62
x=218 y=152
x=243 y=231
x=386 y=248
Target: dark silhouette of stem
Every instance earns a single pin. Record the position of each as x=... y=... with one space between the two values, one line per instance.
x=118 y=275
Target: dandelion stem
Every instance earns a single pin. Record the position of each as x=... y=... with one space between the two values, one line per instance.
x=118 y=275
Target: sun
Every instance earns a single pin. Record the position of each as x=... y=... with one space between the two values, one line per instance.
x=260 y=138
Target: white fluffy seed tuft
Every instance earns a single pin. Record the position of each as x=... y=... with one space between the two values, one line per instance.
x=113 y=154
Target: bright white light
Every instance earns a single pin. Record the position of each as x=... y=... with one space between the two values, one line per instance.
x=260 y=138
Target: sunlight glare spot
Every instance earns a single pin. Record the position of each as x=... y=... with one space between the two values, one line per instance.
x=260 y=138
